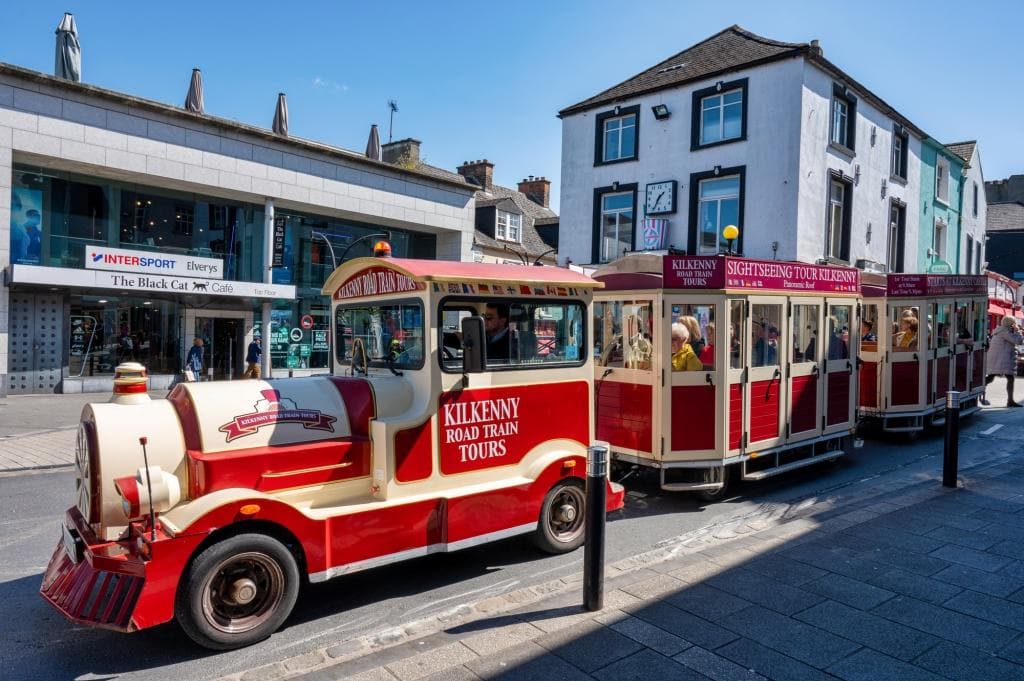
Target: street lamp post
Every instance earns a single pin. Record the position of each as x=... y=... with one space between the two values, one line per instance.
x=334 y=263
x=731 y=233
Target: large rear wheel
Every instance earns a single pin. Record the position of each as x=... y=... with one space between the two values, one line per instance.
x=560 y=529
x=237 y=592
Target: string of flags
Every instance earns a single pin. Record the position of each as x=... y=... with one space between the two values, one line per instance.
x=506 y=289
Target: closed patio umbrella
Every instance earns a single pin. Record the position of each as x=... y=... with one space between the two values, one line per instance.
x=281 y=115
x=373 y=149
x=68 y=63
x=194 y=98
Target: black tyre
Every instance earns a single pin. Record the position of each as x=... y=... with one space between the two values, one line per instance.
x=237 y=592
x=716 y=495
x=562 y=516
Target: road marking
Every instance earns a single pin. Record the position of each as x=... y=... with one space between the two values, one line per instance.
x=989 y=431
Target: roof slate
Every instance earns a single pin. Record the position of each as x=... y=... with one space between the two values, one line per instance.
x=1004 y=217
x=964 y=150
x=727 y=50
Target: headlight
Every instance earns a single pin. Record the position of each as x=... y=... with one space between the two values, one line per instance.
x=134 y=492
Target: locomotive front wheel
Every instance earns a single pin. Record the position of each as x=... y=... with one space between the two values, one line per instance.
x=237 y=592
x=560 y=529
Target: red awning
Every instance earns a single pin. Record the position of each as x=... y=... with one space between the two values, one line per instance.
x=1019 y=314
x=997 y=309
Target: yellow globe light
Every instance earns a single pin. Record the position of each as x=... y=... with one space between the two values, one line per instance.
x=730 y=232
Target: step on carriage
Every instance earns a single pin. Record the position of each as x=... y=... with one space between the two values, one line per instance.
x=773 y=386
x=923 y=335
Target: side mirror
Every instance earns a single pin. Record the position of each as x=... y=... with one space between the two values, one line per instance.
x=473 y=345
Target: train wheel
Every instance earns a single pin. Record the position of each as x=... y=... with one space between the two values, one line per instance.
x=560 y=529
x=237 y=592
x=713 y=496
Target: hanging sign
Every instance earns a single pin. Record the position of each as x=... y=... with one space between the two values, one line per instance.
x=277 y=259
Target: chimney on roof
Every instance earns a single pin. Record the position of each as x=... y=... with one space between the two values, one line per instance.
x=816 y=47
x=537 y=189
x=405 y=153
x=480 y=173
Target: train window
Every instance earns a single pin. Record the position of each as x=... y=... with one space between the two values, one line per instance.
x=980 y=321
x=735 y=334
x=520 y=334
x=905 y=328
x=940 y=318
x=390 y=334
x=839 y=318
x=623 y=334
x=869 y=329
x=805 y=333
x=764 y=335
x=699 y=321
x=964 y=325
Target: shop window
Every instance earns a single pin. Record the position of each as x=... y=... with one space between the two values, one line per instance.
x=699 y=321
x=106 y=332
x=624 y=334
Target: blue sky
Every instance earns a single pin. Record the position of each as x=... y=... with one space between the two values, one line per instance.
x=476 y=80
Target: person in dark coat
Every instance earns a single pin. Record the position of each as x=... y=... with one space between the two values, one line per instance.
x=499 y=339
x=194 y=361
x=252 y=359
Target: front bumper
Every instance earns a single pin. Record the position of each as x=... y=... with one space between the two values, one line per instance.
x=102 y=587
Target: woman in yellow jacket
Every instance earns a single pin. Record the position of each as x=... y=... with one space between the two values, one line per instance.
x=683 y=356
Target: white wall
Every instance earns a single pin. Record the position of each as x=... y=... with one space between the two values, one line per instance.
x=770 y=154
x=817 y=158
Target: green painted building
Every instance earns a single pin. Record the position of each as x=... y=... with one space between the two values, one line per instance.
x=942 y=179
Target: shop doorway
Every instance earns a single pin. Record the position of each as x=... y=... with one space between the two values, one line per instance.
x=225 y=334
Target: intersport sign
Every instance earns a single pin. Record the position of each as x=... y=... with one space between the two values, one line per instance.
x=152 y=262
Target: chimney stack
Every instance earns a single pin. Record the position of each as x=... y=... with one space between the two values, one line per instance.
x=480 y=173
x=537 y=189
x=405 y=153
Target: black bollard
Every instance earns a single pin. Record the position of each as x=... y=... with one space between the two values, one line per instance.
x=593 y=546
x=950 y=447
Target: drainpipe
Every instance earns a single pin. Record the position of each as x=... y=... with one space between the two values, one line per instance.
x=268 y=278
x=960 y=218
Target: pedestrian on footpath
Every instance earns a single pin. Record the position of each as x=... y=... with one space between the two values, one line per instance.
x=194 y=361
x=1002 y=357
x=252 y=359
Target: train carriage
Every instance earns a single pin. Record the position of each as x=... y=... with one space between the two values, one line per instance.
x=773 y=386
x=924 y=335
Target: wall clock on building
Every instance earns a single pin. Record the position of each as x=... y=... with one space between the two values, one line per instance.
x=661 y=198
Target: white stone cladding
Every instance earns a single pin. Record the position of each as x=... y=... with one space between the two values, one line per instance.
x=95 y=132
x=787 y=159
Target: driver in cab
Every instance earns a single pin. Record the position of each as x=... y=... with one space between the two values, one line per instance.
x=499 y=339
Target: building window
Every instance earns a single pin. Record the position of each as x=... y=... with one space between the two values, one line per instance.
x=942 y=179
x=837 y=227
x=844 y=119
x=897 y=236
x=974 y=201
x=509 y=226
x=719 y=114
x=939 y=240
x=716 y=200
x=617 y=134
x=970 y=255
x=184 y=219
x=900 y=141
x=614 y=222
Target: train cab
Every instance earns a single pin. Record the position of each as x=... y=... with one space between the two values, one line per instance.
x=924 y=335
x=717 y=368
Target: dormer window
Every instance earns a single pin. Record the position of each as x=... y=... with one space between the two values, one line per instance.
x=509 y=227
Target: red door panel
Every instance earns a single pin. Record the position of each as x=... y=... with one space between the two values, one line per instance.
x=805 y=403
x=942 y=378
x=764 y=410
x=624 y=414
x=735 y=415
x=961 y=371
x=869 y=385
x=905 y=386
x=838 y=403
x=978 y=376
x=693 y=417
